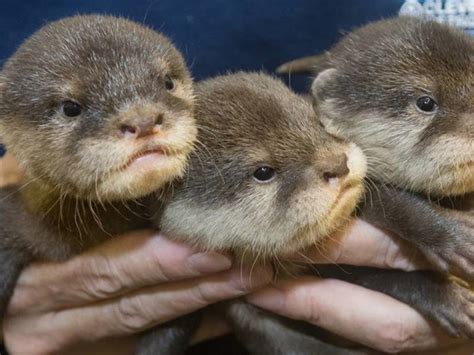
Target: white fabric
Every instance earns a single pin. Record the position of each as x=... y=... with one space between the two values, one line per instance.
x=454 y=12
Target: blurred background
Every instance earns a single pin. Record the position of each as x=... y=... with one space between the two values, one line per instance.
x=215 y=36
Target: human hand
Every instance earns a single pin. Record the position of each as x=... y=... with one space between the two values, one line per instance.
x=364 y=316
x=120 y=288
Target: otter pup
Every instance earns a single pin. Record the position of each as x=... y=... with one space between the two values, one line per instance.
x=99 y=112
x=266 y=180
x=264 y=166
x=403 y=90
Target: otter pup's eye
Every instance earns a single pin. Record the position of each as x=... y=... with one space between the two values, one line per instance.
x=169 y=83
x=264 y=174
x=71 y=108
x=426 y=104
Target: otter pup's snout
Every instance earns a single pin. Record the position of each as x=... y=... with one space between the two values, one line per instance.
x=141 y=126
x=336 y=169
x=142 y=120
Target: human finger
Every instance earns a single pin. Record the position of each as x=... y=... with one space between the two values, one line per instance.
x=362 y=244
x=361 y=315
x=136 y=260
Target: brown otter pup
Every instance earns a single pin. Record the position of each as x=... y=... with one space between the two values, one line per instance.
x=99 y=112
x=266 y=180
x=403 y=90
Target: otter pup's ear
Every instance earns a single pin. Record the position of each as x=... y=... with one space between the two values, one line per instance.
x=321 y=93
x=312 y=65
x=323 y=82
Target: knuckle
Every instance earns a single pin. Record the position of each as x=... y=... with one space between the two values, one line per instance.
x=314 y=314
x=99 y=277
x=394 y=337
x=131 y=315
x=392 y=256
x=201 y=296
x=309 y=307
x=159 y=267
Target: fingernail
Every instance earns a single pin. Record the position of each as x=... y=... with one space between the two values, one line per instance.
x=250 y=279
x=269 y=298
x=208 y=263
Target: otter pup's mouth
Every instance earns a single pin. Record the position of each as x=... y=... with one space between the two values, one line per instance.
x=332 y=221
x=345 y=203
x=347 y=189
x=144 y=158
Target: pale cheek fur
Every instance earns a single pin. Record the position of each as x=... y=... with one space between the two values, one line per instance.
x=253 y=226
x=311 y=214
x=237 y=226
x=46 y=158
x=182 y=135
x=88 y=170
x=184 y=91
x=310 y=207
x=135 y=185
x=450 y=172
x=316 y=212
x=387 y=144
x=396 y=159
x=101 y=173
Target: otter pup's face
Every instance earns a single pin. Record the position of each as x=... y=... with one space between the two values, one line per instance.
x=98 y=107
x=266 y=177
x=404 y=91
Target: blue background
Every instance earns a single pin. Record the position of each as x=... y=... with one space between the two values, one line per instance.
x=215 y=36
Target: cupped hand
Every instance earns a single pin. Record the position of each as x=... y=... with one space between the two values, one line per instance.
x=364 y=316
x=118 y=289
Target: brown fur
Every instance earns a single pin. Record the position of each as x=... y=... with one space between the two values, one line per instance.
x=246 y=121
x=366 y=91
x=88 y=176
x=74 y=166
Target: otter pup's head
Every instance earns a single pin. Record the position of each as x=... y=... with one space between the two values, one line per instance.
x=98 y=107
x=403 y=90
x=266 y=177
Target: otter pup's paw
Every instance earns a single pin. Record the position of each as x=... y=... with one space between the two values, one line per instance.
x=456 y=254
x=455 y=314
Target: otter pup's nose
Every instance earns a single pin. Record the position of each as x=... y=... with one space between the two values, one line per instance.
x=338 y=169
x=140 y=127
